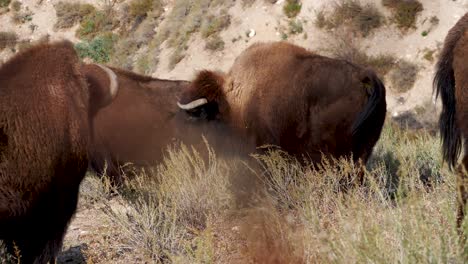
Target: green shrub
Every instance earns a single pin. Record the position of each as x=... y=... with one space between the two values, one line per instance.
x=292 y=8
x=4 y=3
x=68 y=14
x=98 y=49
x=405 y=12
x=95 y=23
x=8 y=40
x=295 y=27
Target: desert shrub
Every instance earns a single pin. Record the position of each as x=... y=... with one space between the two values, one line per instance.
x=292 y=8
x=8 y=40
x=215 y=43
x=295 y=27
x=124 y=51
x=4 y=3
x=363 y=18
x=404 y=12
x=99 y=49
x=140 y=8
x=22 y=17
x=213 y=24
x=429 y=54
x=16 y=6
x=403 y=76
x=68 y=14
x=94 y=24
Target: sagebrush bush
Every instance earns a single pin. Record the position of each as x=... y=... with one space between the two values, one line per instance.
x=215 y=43
x=292 y=8
x=405 y=12
x=98 y=49
x=403 y=76
x=214 y=24
x=140 y=8
x=68 y=14
x=362 y=18
x=8 y=40
x=4 y=3
x=94 y=24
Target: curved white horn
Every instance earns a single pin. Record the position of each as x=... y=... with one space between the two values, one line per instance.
x=193 y=104
x=113 y=80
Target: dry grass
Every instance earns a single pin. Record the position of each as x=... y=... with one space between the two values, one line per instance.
x=403 y=76
x=405 y=12
x=8 y=40
x=362 y=18
x=95 y=24
x=186 y=209
x=4 y=3
x=68 y=14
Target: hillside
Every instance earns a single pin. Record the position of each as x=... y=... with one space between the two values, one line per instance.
x=186 y=211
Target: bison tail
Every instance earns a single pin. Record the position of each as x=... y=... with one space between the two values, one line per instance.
x=444 y=86
x=368 y=124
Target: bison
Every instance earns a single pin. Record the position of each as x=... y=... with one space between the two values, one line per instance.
x=281 y=94
x=45 y=113
x=137 y=126
x=451 y=83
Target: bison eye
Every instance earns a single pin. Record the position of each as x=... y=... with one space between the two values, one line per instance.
x=207 y=111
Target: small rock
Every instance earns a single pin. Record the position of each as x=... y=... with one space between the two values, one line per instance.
x=279 y=2
x=251 y=33
x=235 y=228
x=395 y=114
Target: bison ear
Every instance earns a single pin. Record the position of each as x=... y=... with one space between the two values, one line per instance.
x=204 y=97
x=102 y=84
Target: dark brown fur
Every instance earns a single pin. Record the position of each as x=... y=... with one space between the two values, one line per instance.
x=451 y=83
x=45 y=108
x=281 y=94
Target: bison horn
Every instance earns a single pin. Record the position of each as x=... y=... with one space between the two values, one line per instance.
x=113 y=80
x=193 y=104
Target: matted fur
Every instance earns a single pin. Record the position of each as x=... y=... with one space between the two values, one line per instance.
x=451 y=83
x=281 y=94
x=45 y=134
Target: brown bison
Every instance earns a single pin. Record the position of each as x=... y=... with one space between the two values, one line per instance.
x=138 y=125
x=451 y=83
x=45 y=113
x=281 y=94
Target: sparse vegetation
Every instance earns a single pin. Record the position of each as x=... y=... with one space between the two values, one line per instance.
x=429 y=54
x=363 y=18
x=403 y=76
x=215 y=43
x=295 y=27
x=98 y=49
x=405 y=12
x=140 y=8
x=8 y=40
x=214 y=24
x=292 y=8
x=94 y=24
x=68 y=14
x=16 y=6
x=4 y=3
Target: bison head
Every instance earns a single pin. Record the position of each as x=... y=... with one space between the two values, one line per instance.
x=103 y=86
x=204 y=98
